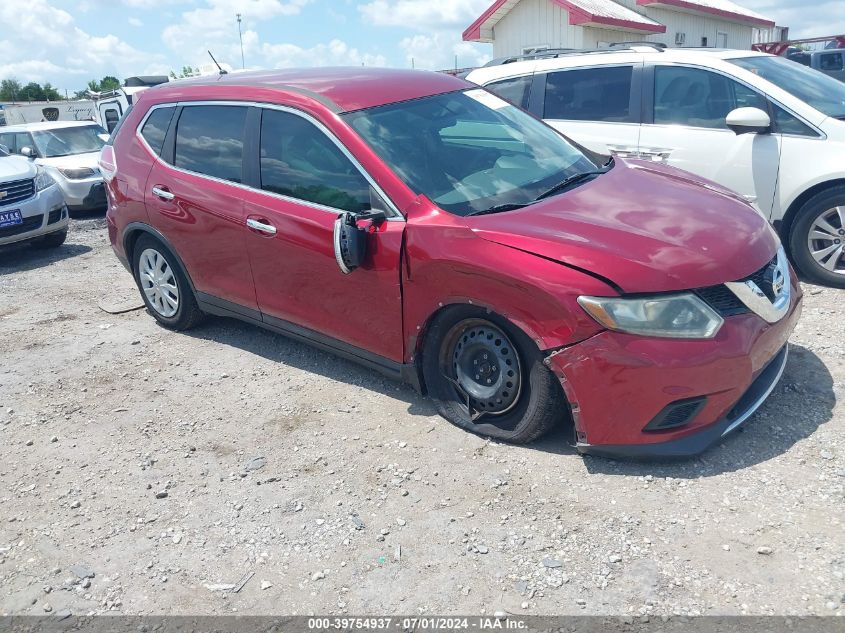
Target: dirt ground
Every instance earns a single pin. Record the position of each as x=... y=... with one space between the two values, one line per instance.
x=150 y=472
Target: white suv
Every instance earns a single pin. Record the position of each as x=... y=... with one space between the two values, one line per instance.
x=766 y=127
x=31 y=204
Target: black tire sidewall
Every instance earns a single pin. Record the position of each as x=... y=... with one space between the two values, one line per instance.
x=537 y=381
x=179 y=320
x=807 y=266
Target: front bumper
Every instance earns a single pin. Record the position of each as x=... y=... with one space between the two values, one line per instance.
x=83 y=195
x=617 y=384
x=43 y=213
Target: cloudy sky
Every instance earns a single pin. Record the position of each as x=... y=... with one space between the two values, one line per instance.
x=68 y=42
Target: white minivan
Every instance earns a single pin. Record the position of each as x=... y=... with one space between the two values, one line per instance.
x=763 y=126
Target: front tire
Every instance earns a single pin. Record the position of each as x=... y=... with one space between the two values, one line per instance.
x=817 y=238
x=164 y=286
x=487 y=377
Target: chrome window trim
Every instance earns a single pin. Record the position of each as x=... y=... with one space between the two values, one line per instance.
x=394 y=215
x=719 y=71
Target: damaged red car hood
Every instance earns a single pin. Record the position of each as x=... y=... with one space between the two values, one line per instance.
x=645 y=227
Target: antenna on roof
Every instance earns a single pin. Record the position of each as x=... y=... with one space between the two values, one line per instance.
x=219 y=67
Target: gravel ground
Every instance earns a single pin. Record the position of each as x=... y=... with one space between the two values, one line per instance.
x=149 y=472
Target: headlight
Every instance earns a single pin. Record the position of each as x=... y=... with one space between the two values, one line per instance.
x=666 y=316
x=78 y=173
x=43 y=180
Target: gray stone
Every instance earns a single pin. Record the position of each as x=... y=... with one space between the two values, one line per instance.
x=552 y=563
x=256 y=463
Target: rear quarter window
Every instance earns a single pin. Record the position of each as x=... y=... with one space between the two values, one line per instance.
x=155 y=128
x=515 y=90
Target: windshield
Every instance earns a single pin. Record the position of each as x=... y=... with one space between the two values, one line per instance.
x=68 y=141
x=469 y=151
x=824 y=93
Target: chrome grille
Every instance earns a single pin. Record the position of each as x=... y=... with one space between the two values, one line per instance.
x=725 y=302
x=16 y=191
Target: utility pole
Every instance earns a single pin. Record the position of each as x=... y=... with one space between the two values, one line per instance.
x=240 y=35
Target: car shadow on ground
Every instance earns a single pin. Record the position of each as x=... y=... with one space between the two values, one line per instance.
x=805 y=392
x=802 y=402
x=21 y=257
x=292 y=353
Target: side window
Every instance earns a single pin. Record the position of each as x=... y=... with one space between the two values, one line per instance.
x=22 y=139
x=830 y=61
x=110 y=117
x=210 y=140
x=155 y=129
x=299 y=161
x=8 y=141
x=699 y=98
x=785 y=123
x=515 y=90
x=590 y=94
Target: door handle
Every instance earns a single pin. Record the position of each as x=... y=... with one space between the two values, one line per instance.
x=261 y=227
x=162 y=193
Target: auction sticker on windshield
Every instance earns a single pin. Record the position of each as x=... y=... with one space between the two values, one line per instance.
x=488 y=99
x=10 y=218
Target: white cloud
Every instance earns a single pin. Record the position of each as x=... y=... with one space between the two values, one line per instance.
x=335 y=53
x=47 y=45
x=437 y=52
x=439 y=24
x=135 y=22
x=213 y=27
x=424 y=15
x=819 y=20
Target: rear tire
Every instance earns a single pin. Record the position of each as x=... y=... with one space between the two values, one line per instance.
x=813 y=238
x=516 y=408
x=163 y=285
x=52 y=240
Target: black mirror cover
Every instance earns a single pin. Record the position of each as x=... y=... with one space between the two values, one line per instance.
x=350 y=243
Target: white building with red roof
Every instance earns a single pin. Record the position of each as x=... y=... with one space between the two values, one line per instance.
x=519 y=26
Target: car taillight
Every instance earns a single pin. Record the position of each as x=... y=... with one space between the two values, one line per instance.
x=108 y=163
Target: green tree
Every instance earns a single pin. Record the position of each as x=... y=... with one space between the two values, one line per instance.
x=109 y=83
x=50 y=93
x=10 y=90
x=94 y=86
x=187 y=71
x=32 y=92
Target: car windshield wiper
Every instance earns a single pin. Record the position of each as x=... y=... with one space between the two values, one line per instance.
x=568 y=182
x=499 y=208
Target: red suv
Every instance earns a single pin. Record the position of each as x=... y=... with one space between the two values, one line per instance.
x=426 y=228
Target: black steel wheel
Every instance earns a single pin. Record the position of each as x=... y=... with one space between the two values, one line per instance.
x=487 y=377
x=483 y=365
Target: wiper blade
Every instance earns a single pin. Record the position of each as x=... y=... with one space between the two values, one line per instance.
x=568 y=182
x=499 y=208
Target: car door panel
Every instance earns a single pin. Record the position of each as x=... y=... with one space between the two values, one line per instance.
x=200 y=214
x=297 y=277
x=685 y=128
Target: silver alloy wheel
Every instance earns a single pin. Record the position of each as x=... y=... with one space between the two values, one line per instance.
x=826 y=240
x=158 y=282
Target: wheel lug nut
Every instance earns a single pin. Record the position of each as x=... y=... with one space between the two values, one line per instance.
x=477 y=377
x=489 y=381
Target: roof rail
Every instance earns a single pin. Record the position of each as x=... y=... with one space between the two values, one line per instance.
x=552 y=53
x=658 y=46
